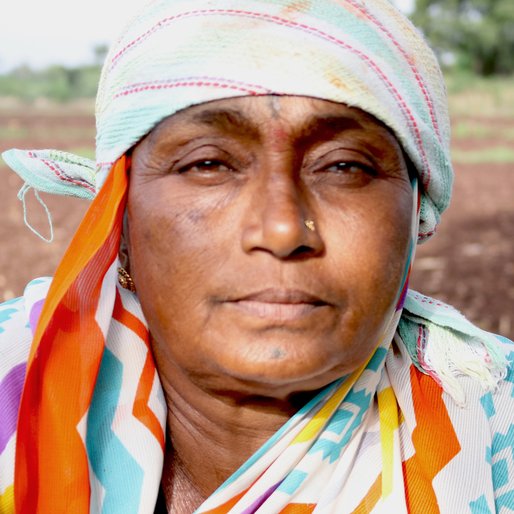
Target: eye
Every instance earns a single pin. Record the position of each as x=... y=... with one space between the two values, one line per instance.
x=350 y=168
x=344 y=173
x=206 y=166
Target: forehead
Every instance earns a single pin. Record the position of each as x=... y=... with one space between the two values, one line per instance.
x=300 y=116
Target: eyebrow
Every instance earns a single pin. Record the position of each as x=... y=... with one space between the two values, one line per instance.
x=226 y=120
x=231 y=120
x=327 y=125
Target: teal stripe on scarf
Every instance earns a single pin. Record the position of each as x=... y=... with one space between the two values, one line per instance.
x=114 y=467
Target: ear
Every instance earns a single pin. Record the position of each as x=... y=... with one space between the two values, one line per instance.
x=124 y=250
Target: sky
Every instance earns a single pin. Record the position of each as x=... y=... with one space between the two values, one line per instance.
x=44 y=32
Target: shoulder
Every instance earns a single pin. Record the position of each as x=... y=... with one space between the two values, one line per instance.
x=14 y=334
x=17 y=319
x=474 y=370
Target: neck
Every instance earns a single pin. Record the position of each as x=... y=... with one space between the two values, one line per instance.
x=211 y=435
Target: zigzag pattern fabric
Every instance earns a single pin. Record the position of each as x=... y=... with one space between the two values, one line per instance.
x=409 y=441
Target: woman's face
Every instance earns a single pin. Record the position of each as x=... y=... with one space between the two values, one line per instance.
x=239 y=293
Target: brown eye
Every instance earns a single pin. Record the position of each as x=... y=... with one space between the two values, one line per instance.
x=206 y=166
x=350 y=168
x=350 y=174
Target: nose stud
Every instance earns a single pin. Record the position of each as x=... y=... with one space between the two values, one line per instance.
x=310 y=225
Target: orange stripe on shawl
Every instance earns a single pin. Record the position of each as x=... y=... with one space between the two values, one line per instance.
x=49 y=448
x=298 y=508
x=225 y=508
x=141 y=410
x=293 y=508
x=369 y=501
x=434 y=440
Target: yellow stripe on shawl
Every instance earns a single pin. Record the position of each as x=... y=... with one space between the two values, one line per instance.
x=7 y=501
x=388 y=414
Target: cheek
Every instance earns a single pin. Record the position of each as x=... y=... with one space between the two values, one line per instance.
x=163 y=225
x=371 y=252
x=162 y=234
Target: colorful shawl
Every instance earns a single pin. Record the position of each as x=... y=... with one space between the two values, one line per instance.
x=387 y=438
x=424 y=426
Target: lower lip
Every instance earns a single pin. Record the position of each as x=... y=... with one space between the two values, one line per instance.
x=276 y=311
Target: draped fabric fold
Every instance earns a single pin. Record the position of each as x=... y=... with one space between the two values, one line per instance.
x=54 y=171
x=75 y=332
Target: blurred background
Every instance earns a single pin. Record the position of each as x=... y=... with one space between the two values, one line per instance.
x=50 y=58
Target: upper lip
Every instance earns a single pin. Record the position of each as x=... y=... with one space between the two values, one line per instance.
x=284 y=296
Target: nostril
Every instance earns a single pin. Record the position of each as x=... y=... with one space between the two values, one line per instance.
x=302 y=251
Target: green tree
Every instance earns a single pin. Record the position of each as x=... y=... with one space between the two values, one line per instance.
x=55 y=82
x=478 y=34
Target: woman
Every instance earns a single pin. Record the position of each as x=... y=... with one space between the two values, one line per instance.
x=231 y=329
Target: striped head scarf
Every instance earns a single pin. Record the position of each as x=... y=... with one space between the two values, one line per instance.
x=175 y=54
x=91 y=429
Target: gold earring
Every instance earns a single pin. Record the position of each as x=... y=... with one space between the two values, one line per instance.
x=125 y=280
x=310 y=225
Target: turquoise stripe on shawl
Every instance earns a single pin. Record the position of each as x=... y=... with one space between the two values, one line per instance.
x=117 y=471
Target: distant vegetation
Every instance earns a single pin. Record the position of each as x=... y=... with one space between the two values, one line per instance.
x=58 y=83
x=55 y=83
x=472 y=35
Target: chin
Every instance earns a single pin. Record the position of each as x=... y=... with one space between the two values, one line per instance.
x=284 y=375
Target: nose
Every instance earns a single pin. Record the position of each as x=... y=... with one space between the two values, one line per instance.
x=280 y=220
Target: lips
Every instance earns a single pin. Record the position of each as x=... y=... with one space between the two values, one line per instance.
x=278 y=304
